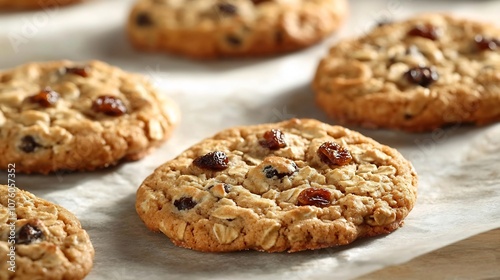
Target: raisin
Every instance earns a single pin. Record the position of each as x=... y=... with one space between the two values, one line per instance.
x=332 y=153
x=45 y=98
x=274 y=139
x=408 y=117
x=216 y=161
x=28 y=144
x=184 y=203
x=227 y=9
x=279 y=37
x=315 y=197
x=233 y=40
x=109 y=105
x=258 y=2
x=143 y=19
x=80 y=71
x=422 y=76
x=271 y=172
x=28 y=234
x=484 y=44
x=426 y=31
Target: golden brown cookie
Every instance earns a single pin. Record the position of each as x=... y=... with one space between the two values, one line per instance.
x=78 y=116
x=33 y=4
x=215 y=28
x=289 y=186
x=40 y=240
x=417 y=75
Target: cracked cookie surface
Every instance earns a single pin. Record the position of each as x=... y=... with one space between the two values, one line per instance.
x=78 y=116
x=215 y=28
x=416 y=75
x=289 y=186
x=48 y=240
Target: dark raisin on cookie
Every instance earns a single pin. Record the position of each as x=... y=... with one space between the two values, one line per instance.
x=28 y=144
x=408 y=116
x=426 y=31
x=332 y=153
x=79 y=71
x=109 y=105
x=258 y=2
x=184 y=203
x=485 y=44
x=271 y=172
x=233 y=40
x=227 y=9
x=315 y=197
x=422 y=76
x=143 y=19
x=279 y=37
x=45 y=98
x=28 y=234
x=215 y=161
x=274 y=139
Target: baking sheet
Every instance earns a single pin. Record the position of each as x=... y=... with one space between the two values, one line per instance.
x=459 y=193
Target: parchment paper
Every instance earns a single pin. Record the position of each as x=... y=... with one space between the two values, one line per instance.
x=459 y=190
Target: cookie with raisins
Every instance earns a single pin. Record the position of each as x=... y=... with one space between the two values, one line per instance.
x=289 y=186
x=40 y=240
x=227 y=28
x=74 y=116
x=34 y=4
x=417 y=75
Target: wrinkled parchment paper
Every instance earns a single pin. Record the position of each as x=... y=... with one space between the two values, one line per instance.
x=459 y=191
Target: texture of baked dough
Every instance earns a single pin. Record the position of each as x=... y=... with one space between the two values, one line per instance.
x=70 y=135
x=63 y=252
x=253 y=204
x=362 y=81
x=215 y=28
x=34 y=4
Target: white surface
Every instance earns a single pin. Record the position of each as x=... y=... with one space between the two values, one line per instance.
x=459 y=192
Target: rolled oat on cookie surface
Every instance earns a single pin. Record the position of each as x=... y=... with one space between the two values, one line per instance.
x=40 y=240
x=288 y=186
x=79 y=116
x=416 y=75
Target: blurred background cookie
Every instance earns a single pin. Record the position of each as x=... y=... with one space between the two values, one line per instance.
x=417 y=75
x=33 y=4
x=215 y=28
